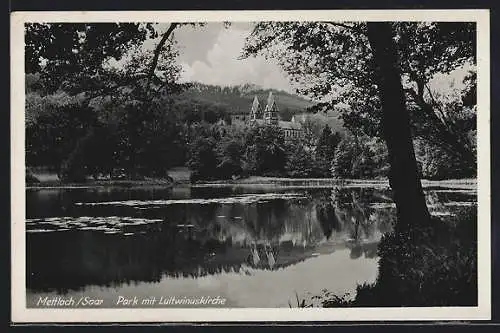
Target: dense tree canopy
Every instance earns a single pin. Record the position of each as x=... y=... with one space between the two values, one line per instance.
x=80 y=57
x=334 y=64
x=102 y=71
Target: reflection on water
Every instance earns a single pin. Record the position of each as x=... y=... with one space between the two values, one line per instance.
x=257 y=247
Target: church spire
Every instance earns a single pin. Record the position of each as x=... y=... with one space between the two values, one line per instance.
x=255 y=105
x=270 y=99
x=271 y=111
x=255 y=112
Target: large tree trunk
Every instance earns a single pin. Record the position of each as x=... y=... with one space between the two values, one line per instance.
x=404 y=178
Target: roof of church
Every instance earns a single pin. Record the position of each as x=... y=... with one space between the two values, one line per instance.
x=270 y=101
x=282 y=124
x=270 y=98
x=256 y=104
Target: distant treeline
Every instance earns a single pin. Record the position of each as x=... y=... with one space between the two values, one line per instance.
x=79 y=137
x=238 y=99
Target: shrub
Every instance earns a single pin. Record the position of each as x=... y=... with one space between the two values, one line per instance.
x=436 y=163
x=301 y=163
x=74 y=168
x=203 y=159
x=31 y=178
x=359 y=156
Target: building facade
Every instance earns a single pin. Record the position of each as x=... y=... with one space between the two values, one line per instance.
x=268 y=116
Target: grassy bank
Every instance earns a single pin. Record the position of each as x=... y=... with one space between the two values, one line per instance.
x=101 y=183
x=466 y=183
x=182 y=177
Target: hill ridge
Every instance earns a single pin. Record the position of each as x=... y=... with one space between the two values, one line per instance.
x=237 y=99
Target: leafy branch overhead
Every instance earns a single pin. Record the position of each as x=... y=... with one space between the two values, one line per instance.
x=101 y=58
x=333 y=64
x=158 y=49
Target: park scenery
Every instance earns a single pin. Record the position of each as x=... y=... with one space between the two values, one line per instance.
x=265 y=164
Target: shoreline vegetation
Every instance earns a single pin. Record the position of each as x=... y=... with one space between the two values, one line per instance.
x=101 y=183
x=465 y=183
x=261 y=180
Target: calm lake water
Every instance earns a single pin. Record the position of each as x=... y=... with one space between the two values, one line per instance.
x=255 y=246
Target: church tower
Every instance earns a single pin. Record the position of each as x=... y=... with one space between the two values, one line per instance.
x=256 y=111
x=271 y=111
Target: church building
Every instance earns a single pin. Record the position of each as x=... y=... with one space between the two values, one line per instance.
x=269 y=117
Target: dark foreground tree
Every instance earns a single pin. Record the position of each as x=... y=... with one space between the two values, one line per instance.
x=404 y=178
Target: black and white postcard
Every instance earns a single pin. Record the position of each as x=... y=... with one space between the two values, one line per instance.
x=250 y=166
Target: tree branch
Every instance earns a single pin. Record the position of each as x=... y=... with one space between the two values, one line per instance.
x=158 y=48
x=438 y=108
x=452 y=141
x=345 y=26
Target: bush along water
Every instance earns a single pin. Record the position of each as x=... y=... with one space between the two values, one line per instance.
x=433 y=265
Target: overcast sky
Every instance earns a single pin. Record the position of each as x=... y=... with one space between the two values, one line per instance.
x=210 y=54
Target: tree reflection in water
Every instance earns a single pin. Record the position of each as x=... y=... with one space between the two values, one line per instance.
x=351 y=212
x=195 y=240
